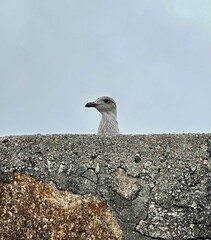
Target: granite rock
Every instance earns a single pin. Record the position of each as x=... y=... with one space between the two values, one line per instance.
x=158 y=186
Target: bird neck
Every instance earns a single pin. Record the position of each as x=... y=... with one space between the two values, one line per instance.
x=108 y=124
x=109 y=115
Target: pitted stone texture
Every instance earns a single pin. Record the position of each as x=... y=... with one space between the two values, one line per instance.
x=180 y=203
x=125 y=186
x=32 y=209
x=158 y=185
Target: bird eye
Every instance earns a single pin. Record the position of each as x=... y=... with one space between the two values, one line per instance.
x=106 y=100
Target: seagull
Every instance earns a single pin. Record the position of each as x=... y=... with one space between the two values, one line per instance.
x=108 y=109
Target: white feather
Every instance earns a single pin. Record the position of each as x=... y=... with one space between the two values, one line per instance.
x=107 y=107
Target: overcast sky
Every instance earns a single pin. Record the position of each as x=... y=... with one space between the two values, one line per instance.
x=152 y=56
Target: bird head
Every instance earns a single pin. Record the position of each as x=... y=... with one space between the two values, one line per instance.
x=103 y=105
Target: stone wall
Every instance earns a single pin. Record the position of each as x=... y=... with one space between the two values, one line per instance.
x=137 y=187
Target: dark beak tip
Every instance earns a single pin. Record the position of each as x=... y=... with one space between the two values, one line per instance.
x=90 y=104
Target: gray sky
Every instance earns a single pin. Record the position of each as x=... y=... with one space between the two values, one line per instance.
x=152 y=56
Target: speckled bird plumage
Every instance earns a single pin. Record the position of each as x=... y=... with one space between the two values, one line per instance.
x=108 y=109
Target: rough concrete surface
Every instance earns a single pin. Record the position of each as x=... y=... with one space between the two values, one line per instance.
x=158 y=186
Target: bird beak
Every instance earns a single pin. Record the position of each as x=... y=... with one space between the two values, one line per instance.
x=91 y=104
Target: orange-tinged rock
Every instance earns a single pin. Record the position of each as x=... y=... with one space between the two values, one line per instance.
x=33 y=209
